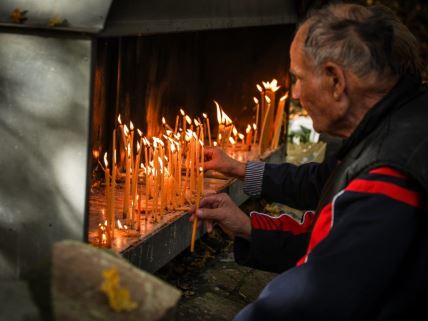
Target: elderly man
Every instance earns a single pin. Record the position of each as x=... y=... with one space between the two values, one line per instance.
x=362 y=254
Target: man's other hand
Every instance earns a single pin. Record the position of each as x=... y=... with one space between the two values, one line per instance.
x=217 y=159
x=219 y=208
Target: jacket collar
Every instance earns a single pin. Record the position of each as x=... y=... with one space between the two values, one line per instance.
x=403 y=91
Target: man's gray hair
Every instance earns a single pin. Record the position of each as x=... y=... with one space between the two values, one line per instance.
x=362 y=39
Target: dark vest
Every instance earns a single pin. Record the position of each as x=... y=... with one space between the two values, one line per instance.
x=393 y=133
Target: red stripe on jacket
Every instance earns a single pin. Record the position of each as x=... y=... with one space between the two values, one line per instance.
x=387 y=171
x=385 y=188
x=325 y=220
x=321 y=229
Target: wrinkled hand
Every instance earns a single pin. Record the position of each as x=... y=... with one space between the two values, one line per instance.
x=220 y=208
x=217 y=159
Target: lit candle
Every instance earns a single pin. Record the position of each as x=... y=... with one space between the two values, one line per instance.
x=184 y=119
x=235 y=133
x=146 y=146
x=265 y=128
x=113 y=186
x=207 y=120
x=134 y=187
x=189 y=121
x=241 y=137
x=220 y=123
x=278 y=121
x=262 y=111
x=161 y=187
x=197 y=203
x=131 y=127
x=122 y=130
x=176 y=124
x=147 y=171
x=256 y=101
x=270 y=92
x=249 y=135
x=127 y=183
x=255 y=133
x=107 y=189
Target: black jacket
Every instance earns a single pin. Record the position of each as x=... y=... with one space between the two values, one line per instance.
x=366 y=255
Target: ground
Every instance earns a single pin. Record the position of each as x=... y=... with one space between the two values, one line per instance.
x=214 y=287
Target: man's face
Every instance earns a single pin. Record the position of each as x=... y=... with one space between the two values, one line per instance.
x=313 y=88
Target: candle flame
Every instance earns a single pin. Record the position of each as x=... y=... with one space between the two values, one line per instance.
x=105 y=222
x=215 y=143
x=234 y=131
x=254 y=126
x=96 y=153
x=119 y=225
x=163 y=120
x=125 y=130
x=241 y=136
x=267 y=99
x=129 y=150
x=231 y=140
x=273 y=85
x=140 y=132
x=196 y=122
x=219 y=119
x=259 y=88
x=189 y=120
x=138 y=147
x=182 y=112
x=119 y=120
x=173 y=148
x=131 y=125
x=248 y=129
x=105 y=159
x=103 y=238
x=226 y=119
x=255 y=100
x=285 y=96
x=204 y=115
x=201 y=169
x=201 y=142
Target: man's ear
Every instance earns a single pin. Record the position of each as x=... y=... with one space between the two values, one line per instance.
x=336 y=80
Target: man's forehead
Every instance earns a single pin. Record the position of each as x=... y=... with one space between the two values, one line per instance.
x=300 y=36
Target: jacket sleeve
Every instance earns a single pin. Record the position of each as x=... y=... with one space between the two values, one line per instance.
x=271 y=235
x=359 y=244
x=296 y=186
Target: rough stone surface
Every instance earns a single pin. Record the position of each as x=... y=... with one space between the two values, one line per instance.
x=210 y=306
x=215 y=287
x=77 y=278
x=253 y=283
x=16 y=303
